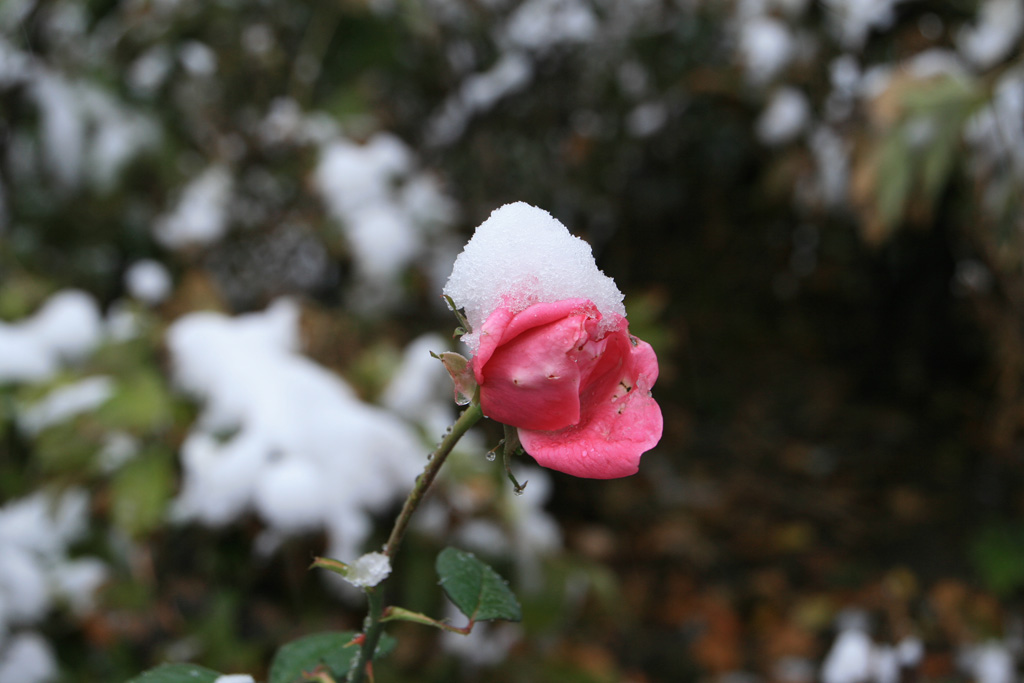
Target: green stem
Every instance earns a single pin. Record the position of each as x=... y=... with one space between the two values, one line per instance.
x=469 y=417
x=373 y=626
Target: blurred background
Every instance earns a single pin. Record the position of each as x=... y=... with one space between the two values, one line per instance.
x=224 y=229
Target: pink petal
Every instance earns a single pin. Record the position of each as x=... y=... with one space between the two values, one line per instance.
x=530 y=378
x=532 y=381
x=503 y=325
x=617 y=427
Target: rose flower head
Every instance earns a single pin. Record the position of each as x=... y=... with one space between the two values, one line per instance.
x=551 y=348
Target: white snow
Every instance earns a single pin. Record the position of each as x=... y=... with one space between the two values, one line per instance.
x=646 y=119
x=369 y=570
x=200 y=215
x=292 y=493
x=832 y=159
x=76 y=581
x=849 y=660
x=258 y=39
x=64 y=329
x=147 y=73
x=118 y=448
x=856 y=658
x=420 y=389
x=14 y=12
x=910 y=651
x=28 y=658
x=766 y=47
x=785 y=117
x=996 y=34
x=935 y=62
x=14 y=64
x=996 y=137
x=540 y=24
x=844 y=74
x=65 y=402
x=845 y=78
x=286 y=123
x=852 y=20
x=87 y=133
x=483 y=536
x=384 y=206
x=123 y=321
x=885 y=664
x=118 y=136
x=62 y=127
x=633 y=79
x=291 y=441
x=197 y=58
x=520 y=256
x=148 y=281
x=481 y=91
x=384 y=241
x=22 y=585
x=989 y=662
x=478 y=93
x=36 y=574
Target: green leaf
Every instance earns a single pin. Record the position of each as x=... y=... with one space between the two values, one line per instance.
x=336 y=566
x=476 y=589
x=63 y=448
x=177 y=673
x=306 y=654
x=141 y=490
x=140 y=403
x=402 y=614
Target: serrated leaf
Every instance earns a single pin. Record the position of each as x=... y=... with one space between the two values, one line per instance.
x=328 y=649
x=177 y=673
x=477 y=590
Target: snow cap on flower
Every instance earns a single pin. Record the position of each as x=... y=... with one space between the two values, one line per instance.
x=521 y=256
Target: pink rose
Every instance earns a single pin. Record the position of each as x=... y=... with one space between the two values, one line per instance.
x=578 y=392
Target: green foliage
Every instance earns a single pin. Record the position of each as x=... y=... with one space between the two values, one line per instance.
x=140 y=403
x=177 y=673
x=333 y=649
x=141 y=490
x=477 y=590
x=915 y=159
x=998 y=555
